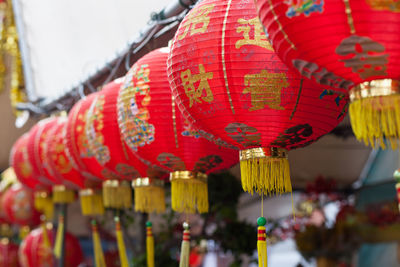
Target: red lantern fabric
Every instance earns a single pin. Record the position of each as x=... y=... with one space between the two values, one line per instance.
x=77 y=145
x=8 y=253
x=153 y=128
x=55 y=160
x=37 y=150
x=344 y=44
x=36 y=250
x=230 y=84
x=19 y=160
x=18 y=206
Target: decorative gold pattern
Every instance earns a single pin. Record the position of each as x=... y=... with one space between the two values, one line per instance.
x=197 y=21
x=382 y=87
x=223 y=56
x=259 y=152
x=188 y=175
x=189 y=80
x=265 y=89
x=259 y=37
x=381 y=5
x=174 y=121
x=146 y=181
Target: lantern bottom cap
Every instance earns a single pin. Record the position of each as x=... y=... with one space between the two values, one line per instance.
x=63 y=195
x=265 y=171
x=375 y=113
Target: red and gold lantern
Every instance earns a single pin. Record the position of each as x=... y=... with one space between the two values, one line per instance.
x=18 y=206
x=19 y=160
x=36 y=250
x=153 y=128
x=8 y=253
x=352 y=45
x=112 y=153
x=229 y=83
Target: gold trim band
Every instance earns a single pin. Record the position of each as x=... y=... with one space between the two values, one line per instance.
x=42 y=194
x=260 y=152
x=60 y=188
x=115 y=183
x=88 y=192
x=381 y=87
x=188 y=175
x=146 y=181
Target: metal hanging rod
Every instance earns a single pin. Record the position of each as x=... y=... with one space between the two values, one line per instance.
x=160 y=29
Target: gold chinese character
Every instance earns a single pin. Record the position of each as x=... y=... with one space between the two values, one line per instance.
x=265 y=89
x=191 y=92
x=259 y=37
x=197 y=21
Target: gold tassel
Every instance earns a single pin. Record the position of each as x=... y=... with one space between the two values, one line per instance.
x=265 y=171
x=98 y=250
x=44 y=204
x=121 y=244
x=375 y=112
x=62 y=195
x=91 y=202
x=117 y=194
x=149 y=195
x=262 y=243
x=185 y=247
x=46 y=239
x=59 y=237
x=149 y=244
x=189 y=191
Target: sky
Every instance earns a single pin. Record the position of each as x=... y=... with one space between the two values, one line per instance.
x=67 y=40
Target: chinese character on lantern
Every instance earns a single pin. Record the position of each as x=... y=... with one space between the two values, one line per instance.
x=259 y=37
x=189 y=80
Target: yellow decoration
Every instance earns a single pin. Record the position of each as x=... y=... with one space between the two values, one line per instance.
x=59 y=237
x=189 y=192
x=44 y=204
x=62 y=195
x=149 y=245
x=375 y=112
x=149 y=195
x=121 y=244
x=262 y=247
x=98 y=250
x=185 y=247
x=91 y=202
x=117 y=194
x=265 y=171
x=24 y=231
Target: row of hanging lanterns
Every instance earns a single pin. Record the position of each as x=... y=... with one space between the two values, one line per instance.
x=218 y=95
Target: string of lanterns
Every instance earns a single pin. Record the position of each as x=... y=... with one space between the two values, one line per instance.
x=225 y=91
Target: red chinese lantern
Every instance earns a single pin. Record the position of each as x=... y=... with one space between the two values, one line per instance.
x=18 y=206
x=19 y=160
x=229 y=83
x=352 y=45
x=153 y=128
x=111 y=153
x=8 y=253
x=55 y=160
x=36 y=250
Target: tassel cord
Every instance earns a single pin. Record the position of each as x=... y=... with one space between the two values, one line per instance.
x=121 y=244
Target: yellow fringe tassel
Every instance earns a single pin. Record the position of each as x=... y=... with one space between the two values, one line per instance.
x=262 y=247
x=121 y=244
x=98 y=250
x=59 y=237
x=62 y=195
x=117 y=195
x=266 y=175
x=149 y=199
x=44 y=204
x=149 y=244
x=189 y=194
x=24 y=231
x=376 y=119
x=91 y=202
x=185 y=247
